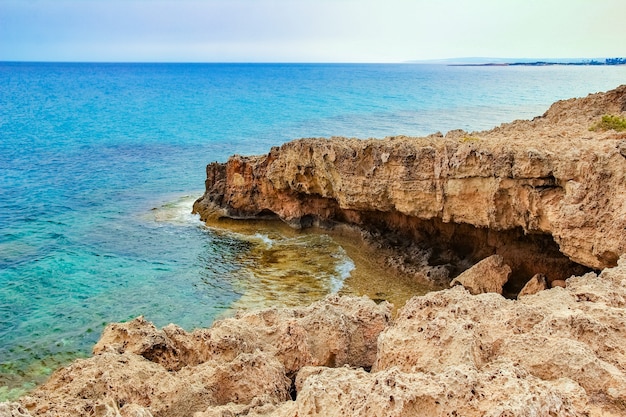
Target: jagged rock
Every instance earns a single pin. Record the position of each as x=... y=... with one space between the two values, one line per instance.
x=534 y=285
x=92 y=385
x=498 y=390
x=488 y=275
x=333 y=332
x=13 y=410
x=572 y=333
x=239 y=363
x=560 y=352
x=528 y=190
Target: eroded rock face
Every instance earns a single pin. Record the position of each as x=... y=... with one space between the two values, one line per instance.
x=551 y=181
x=246 y=361
x=561 y=351
x=522 y=191
x=460 y=390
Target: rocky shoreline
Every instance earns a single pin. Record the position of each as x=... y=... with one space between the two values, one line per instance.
x=545 y=194
x=525 y=207
x=560 y=352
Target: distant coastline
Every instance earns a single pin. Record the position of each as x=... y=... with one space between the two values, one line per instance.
x=607 y=61
x=536 y=62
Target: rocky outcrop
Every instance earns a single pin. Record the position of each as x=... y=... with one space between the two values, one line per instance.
x=522 y=195
x=560 y=352
x=530 y=191
x=244 y=361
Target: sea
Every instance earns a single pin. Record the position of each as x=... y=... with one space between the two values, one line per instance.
x=100 y=164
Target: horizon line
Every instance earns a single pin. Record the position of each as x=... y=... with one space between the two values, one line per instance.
x=434 y=61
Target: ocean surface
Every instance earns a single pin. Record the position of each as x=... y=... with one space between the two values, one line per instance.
x=100 y=164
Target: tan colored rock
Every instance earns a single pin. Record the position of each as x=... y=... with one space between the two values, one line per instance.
x=558 y=283
x=242 y=363
x=522 y=191
x=488 y=275
x=572 y=333
x=534 y=285
x=13 y=410
x=141 y=338
x=101 y=384
x=526 y=186
x=498 y=390
x=560 y=352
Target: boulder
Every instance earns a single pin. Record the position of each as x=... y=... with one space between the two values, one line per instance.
x=488 y=275
x=534 y=285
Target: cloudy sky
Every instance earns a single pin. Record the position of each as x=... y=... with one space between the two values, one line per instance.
x=308 y=30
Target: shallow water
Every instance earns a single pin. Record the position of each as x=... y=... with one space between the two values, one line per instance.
x=287 y=267
x=99 y=164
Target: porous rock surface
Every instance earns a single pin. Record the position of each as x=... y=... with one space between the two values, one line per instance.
x=558 y=352
x=249 y=359
x=529 y=190
x=488 y=275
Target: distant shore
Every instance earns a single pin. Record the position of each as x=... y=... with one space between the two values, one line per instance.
x=608 y=61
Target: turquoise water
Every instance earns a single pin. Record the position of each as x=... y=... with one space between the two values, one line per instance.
x=99 y=165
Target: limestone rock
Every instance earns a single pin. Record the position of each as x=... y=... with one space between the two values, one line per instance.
x=560 y=352
x=534 y=285
x=497 y=390
x=547 y=182
x=570 y=334
x=488 y=275
x=241 y=363
x=13 y=410
x=523 y=192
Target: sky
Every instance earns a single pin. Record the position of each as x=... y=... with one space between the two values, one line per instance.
x=308 y=30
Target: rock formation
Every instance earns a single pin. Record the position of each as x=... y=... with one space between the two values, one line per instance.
x=560 y=352
x=546 y=194
x=488 y=275
x=536 y=284
x=245 y=360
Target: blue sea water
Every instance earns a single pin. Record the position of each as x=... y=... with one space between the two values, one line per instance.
x=99 y=164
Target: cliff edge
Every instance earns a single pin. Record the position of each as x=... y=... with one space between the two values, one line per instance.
x=546 y=194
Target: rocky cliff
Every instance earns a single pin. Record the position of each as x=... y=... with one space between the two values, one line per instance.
x=546 y=194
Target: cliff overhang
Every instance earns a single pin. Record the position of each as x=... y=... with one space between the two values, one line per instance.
x=547 y=194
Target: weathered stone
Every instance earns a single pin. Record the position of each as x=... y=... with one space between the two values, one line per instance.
x=498 y=390
x=13 y=410
x=488 y=275
x=549 y=177
x=559 y=352
x=534 y=285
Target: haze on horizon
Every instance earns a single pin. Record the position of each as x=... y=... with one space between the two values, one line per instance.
x=308 y=30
